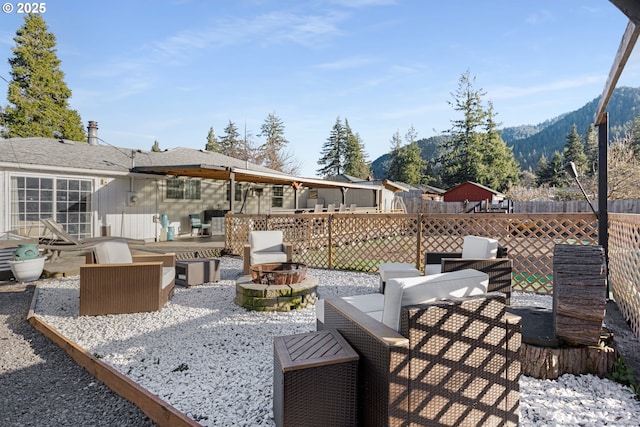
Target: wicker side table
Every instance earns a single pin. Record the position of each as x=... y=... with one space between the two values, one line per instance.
x=314 y=380
x=196 y=271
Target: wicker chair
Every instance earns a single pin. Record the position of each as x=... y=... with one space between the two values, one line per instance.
x=478 y=253
x=114 y=281
x=454 y=362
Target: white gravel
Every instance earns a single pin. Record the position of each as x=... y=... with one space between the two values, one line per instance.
x=214 y=360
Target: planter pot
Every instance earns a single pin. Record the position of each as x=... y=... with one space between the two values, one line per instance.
x=27 y=270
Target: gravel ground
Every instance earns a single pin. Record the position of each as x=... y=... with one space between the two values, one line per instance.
x=40 y=385
x=214 y=361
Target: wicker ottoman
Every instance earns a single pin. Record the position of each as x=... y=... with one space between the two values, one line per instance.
x=314 y=380
x=395 y=270
x=196 y=271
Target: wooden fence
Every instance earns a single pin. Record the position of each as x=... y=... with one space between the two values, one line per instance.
x=362 y=242
x=417 y=205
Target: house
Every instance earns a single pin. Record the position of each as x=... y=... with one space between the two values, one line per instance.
x=95 y=189
x=472 y=192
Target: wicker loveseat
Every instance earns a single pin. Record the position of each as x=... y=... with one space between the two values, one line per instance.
x=113 y=281
x=453 y=362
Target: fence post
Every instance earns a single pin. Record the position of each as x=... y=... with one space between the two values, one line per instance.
x=329 y=218
x=418 y=240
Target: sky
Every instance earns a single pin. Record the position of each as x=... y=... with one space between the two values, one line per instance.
x=169 y=70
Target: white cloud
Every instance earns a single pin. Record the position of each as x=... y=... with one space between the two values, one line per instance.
x=509 y=92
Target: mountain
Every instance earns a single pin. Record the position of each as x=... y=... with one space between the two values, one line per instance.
x=529 y=142
x=623 y=107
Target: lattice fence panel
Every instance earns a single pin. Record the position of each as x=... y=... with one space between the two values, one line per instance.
x=624 y=266
x=362 y=242
x=238 y=228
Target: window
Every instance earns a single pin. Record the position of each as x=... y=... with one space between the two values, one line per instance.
x=277 y=201
x=238 y=192
x=181 y=189
x=67 y=201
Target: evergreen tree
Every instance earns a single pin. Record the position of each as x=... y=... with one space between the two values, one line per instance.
x=38 y=96
x=541 y=171
x=394 y=170
x=498 y=169
x=355 y=157
x=272 y=151
x=553 y=174
x=635 y=137
x=156 y=147
x=212 y=142
x=333 y=151
x=591 y=150
x=460 y=155
x=574 y=150
x=230 y=143
x=412 y=164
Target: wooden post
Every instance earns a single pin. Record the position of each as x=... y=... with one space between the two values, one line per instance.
x=579 y=297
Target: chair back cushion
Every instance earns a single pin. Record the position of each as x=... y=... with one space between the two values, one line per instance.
x=418 y=290
x=479 y=247
x=113 y=252
x=266 y=241
x=195 y=219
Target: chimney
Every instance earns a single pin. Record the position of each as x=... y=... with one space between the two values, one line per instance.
x=92 y=133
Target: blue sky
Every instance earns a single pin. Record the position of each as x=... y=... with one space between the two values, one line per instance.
x=169 y=70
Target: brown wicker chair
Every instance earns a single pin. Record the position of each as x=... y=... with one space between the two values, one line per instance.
x=499 y=269
x=454 y=362
x=113 y=281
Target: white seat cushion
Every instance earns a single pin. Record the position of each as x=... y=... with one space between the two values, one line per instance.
x=168 y=275
x=113 y=252
x=264 y=257
x=417 y=290
x=371 y=304
x=479 y=247
x=266 y=241
x=432 y=269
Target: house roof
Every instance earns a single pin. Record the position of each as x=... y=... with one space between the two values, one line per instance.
x=497 y=193
x=427 y=188
x=62 y=155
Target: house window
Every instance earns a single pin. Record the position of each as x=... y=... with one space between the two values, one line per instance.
x=67 y=201
x=238 y=192
x=277 y=200
x=183 y=189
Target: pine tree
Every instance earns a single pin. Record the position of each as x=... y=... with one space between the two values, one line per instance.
x=541 y=171
x=38 y=96
x=635 y=137
x=212 y=142
x=460 y=155
x=394 y=170
x=272 y=151
x=413 y=165
x=553 y=174
x=574 y=150
x=156 y=147
x=355 y=157
x=230 y=143
x=591 y=150
x=333 y=151
x=498 y=169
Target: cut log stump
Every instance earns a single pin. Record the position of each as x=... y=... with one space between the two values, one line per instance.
x=550 y=363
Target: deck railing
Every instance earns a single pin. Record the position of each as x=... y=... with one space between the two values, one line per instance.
x=362 y=242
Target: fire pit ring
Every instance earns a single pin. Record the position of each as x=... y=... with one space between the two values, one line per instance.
x=278 y=273
x=276 y=287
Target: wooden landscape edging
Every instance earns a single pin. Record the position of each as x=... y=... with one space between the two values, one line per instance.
x=161 y=412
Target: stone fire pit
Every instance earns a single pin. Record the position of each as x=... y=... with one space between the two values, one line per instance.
x=276 y=287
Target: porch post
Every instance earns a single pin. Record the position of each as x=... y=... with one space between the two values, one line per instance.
x=344 y=195
x=603 y=215
x=232 y=193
